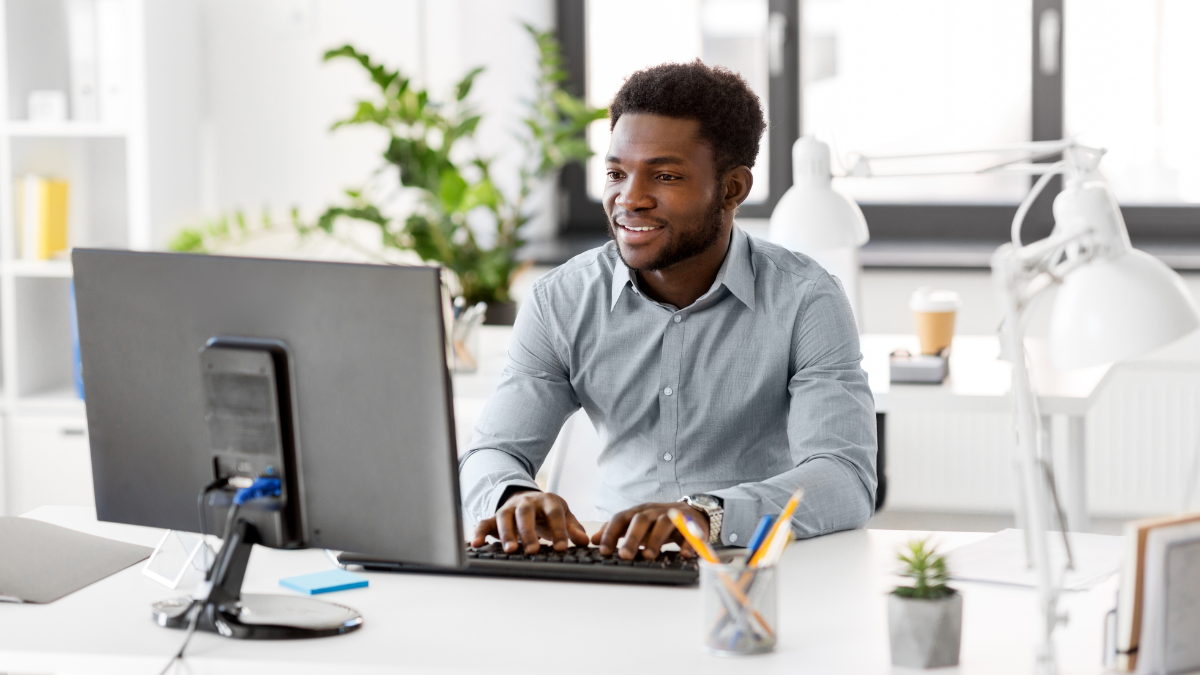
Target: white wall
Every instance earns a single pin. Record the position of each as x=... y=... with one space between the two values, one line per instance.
x=270 y=100
x=174 y=112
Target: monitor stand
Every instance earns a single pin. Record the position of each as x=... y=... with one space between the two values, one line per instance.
x=254 y=617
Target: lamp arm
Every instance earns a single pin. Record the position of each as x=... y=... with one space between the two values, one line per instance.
x=1027 y=203
x=1035 y=147
x=1023 y=273
x=1084 y=157
x=1012 y=266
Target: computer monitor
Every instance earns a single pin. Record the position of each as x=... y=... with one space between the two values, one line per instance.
x=331 y=378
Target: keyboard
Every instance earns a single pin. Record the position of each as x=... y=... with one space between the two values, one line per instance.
x=577 y=563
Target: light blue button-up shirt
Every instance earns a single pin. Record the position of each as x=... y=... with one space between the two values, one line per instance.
x=750 y=392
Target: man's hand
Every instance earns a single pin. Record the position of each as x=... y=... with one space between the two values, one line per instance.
x=647 y=525
x=527 y=517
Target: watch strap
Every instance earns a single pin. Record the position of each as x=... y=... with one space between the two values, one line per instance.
x=715 y=514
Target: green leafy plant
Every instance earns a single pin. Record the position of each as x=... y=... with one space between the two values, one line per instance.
x=922 y=563
x=429 y=144
x=223 y=231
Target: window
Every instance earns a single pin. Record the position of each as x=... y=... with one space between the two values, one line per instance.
x=895 y=76
x=881 y=77
x=756 y=38
x=1141 y=100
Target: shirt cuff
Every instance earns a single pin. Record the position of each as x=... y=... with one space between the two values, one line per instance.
x=739 y=517
x=497 y=492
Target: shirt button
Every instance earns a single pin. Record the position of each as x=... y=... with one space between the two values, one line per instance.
x=733 y=537
x=668 y=391
x=678 y=318
x=667 y=456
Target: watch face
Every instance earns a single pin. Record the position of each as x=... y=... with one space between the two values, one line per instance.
x=707 y=501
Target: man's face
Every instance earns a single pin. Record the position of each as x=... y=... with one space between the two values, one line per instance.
x=662 y=197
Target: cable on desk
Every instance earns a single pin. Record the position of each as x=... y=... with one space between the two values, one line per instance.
x=262 y=488
x=218 y=483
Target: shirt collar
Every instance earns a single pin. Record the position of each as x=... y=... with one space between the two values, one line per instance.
x=736 y=273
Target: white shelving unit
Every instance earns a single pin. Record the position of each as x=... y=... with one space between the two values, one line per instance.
x=114 y=199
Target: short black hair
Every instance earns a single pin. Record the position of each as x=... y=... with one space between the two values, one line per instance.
x=729 y=112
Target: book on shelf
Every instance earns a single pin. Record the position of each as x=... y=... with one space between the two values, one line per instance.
x=97 y=44
x=1132 y=597
x=41 y=217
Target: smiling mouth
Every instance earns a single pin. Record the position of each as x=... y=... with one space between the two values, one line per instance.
x=646 y=228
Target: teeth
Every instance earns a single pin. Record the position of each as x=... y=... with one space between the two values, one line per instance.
x=638 y=229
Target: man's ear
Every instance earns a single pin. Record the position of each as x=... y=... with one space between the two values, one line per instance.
x=737 y=186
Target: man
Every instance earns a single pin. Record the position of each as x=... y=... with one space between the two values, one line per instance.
x=718 y=369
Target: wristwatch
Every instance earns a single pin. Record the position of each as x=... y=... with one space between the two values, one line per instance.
x=714 y=508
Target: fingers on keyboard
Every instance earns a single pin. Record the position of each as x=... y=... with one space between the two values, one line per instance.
x=581 y=555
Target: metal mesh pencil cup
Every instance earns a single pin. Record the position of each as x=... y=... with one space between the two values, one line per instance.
x=739 y=609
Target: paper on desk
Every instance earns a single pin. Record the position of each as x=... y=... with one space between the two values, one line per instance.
x=1001 y=559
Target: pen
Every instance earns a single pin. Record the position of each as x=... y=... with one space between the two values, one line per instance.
x=760 y=533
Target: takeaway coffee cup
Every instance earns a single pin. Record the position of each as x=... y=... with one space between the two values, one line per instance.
x=933 y=311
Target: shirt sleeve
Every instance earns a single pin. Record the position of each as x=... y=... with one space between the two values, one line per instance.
x=522 y=419
x=831 y=430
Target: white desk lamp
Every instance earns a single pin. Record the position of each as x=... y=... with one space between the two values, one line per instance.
x=1114 y=302
x=818 y=221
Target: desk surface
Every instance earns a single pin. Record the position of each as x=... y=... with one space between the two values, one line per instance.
x=979 y=381
x=832 y=620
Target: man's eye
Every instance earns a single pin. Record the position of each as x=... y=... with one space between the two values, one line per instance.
x=667 y=177
x=614 y=175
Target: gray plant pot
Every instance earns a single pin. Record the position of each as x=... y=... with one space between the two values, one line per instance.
x=925 y=633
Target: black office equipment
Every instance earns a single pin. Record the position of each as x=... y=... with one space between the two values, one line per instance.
x=316 y=393
x=577 y=563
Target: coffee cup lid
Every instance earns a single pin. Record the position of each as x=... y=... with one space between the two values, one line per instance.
x=930 y=299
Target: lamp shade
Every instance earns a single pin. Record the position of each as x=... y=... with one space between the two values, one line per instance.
x=1117 y=308
x=811 y=215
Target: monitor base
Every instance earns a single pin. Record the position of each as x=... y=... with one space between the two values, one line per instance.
x=233 y=614
x=263 y=617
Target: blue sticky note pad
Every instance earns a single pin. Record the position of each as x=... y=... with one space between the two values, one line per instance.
x=324 y=582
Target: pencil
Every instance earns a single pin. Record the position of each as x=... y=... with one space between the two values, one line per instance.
x=702 y=548
x=784 y=517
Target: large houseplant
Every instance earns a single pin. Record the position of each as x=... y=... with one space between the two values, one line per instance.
x=429 y=144
x=924 y=619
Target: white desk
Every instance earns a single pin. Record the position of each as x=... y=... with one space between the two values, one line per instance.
x=832 y=619
x=978 y=383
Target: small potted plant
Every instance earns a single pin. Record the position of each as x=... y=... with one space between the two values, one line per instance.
x=924 y=619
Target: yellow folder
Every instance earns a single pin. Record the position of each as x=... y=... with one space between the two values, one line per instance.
x=52 y=228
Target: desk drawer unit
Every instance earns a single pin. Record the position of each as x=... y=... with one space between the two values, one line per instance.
x=49 y=463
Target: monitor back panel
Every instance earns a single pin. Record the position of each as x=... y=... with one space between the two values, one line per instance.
x=376 y=441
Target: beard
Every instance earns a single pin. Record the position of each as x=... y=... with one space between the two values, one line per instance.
x=683 y=244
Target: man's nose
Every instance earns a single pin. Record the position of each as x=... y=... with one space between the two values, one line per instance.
x=635 y=195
